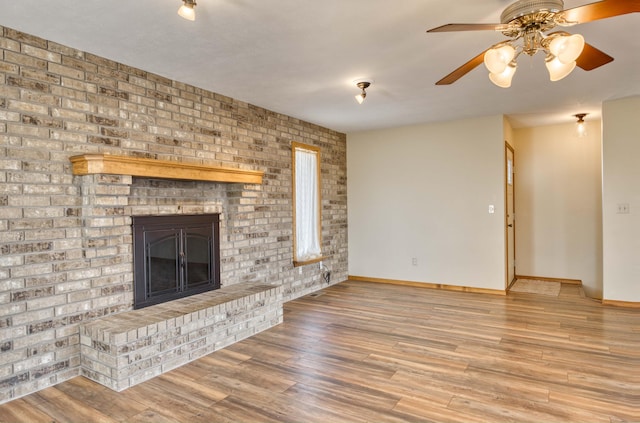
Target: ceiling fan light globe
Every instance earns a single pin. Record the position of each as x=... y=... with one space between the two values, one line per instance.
x=187 y=12
x=503 y=79
x=497 y=59
x=567 y=48
x=360 y=98
x=558 y=70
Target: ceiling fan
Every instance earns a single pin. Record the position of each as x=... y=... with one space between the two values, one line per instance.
x=530 y=21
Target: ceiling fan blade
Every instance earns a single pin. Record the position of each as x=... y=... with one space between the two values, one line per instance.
x=592 y=58
x=600 y=10
x=468 y=27
x=462 y=70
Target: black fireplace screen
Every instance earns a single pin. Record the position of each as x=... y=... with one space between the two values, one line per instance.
x=174 y=257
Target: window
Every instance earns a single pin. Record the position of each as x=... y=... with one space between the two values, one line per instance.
x=307 y=227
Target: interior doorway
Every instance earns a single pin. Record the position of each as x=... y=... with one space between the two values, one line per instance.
x=510 y=215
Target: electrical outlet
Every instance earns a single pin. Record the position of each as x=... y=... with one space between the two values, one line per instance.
x=414 y=261
x=623 y=208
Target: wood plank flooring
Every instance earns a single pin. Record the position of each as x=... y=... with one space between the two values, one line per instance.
x=369 y=352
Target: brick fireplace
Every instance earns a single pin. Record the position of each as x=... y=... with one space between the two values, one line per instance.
x=66 y=240
x=123 y=349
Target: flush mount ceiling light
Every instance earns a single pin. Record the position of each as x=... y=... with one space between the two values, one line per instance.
x=527 y=24
x=363 y=85
x=581 y=128
x=187 y=10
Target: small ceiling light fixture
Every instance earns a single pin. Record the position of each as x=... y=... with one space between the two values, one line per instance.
x=187 y=10
x=362 y=85
x=581 y=128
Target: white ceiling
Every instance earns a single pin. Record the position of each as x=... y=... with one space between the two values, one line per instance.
x=300 y=57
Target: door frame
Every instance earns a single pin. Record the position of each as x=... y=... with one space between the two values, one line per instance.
x=507 y=148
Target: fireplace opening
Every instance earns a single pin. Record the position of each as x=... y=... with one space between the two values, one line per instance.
x=174 y=257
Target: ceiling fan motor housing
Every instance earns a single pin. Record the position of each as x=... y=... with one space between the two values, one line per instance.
x=530 y=7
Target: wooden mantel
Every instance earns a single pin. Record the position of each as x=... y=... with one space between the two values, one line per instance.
x=89 y=164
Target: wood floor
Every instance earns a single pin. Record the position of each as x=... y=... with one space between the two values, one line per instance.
x=365 y=352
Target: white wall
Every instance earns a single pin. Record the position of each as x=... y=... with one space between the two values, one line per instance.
x=621 y=185
x=423 y=191
x=558 y=204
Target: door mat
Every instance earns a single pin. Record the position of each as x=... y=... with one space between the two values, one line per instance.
x=531 y=286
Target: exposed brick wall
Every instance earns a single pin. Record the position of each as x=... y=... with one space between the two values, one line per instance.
x=65 y=241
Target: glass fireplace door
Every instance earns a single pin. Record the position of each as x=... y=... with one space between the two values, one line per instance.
x=197 y=258
x=174 y=257
x=162 y=265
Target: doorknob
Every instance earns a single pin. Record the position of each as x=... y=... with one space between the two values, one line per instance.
x=510 y=225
